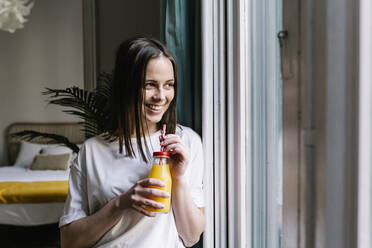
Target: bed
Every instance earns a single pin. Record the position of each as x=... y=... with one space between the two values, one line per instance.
x=44 y=190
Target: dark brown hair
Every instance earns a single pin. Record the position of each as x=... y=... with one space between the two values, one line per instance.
x=127 y=115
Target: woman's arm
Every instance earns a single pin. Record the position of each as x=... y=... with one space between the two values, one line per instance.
x=190 y=220
x=87 y=231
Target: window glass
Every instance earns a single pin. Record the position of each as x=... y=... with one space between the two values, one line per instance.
x=264 y=118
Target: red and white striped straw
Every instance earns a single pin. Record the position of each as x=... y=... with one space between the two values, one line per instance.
x=164 y=130
x=163 y=134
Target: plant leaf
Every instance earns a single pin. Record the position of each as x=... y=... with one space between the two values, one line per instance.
x=49 y=137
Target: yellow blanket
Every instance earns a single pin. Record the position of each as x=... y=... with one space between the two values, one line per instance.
x=33 y=192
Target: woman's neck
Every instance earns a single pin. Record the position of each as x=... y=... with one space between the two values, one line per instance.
x=147 y=132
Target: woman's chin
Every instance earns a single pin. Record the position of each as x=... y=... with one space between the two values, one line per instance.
x=153 y=120
x=153 y=117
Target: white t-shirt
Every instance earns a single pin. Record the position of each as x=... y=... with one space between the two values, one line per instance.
x=101 y=173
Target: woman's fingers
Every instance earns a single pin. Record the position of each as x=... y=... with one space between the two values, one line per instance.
x=142 y=210
x=151 y=182
x=173 y=143
x=142 y=201
x=143 y=192
x=174 y=148
x=148 y=192
x=170 y=139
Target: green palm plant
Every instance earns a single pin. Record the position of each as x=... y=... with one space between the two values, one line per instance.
x=91 y=107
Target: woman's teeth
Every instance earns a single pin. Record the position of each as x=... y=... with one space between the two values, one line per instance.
x=154 y=107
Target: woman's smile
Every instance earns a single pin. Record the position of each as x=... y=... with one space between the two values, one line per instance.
x=156 y=108
x=152 y=109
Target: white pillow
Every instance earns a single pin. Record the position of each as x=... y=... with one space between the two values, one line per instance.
x=27 y=152
x=58 y=150
x=55 y=150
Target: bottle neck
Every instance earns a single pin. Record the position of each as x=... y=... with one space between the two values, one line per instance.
x=160 y=160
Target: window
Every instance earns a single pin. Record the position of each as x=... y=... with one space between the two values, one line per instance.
x=242 y=102
x=365 y=127
x=326 y=126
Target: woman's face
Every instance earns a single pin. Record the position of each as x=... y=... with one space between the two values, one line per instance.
x=159 y=90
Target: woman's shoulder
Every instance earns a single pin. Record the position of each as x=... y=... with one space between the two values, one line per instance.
x=102 y=140
x=187 y=134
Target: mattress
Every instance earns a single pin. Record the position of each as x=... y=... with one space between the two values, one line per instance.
x=30 y=214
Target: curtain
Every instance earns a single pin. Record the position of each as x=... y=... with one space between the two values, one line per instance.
x=181 y=34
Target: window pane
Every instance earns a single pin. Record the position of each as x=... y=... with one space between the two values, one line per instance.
x=265 y=143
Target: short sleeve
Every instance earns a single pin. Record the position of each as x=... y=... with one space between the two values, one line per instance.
x=76 y=205
x=196 y=168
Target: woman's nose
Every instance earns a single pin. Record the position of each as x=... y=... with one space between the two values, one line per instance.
x=159 y=95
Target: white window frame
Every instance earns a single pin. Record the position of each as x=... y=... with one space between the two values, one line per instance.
x=225 y=163
x=365 y=127
x=228 y=28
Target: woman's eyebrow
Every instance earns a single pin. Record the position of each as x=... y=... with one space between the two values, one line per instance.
x=152 y=80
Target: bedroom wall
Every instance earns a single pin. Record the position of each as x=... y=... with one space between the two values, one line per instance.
x=46 y=53
x=120 y=20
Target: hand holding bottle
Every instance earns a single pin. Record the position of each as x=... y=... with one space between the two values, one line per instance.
x=138 y=197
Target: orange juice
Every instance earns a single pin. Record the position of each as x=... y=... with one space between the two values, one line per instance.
x=160 y=170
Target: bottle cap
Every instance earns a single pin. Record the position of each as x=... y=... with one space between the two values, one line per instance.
x=161 y=154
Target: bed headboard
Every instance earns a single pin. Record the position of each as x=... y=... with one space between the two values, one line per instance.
x=71 y=130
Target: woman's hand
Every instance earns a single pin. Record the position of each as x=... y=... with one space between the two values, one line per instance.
x=180 y=154
x=137 y=197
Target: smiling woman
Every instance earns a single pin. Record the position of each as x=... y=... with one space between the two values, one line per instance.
x=110 y=192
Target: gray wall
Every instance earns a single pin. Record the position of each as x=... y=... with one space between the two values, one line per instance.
x=46 y=53
x=120 y=20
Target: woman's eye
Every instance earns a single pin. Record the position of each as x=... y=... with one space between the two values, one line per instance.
x=169 y=85
x=149 y=85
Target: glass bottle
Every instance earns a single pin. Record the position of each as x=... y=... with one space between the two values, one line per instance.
x=160 y=170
